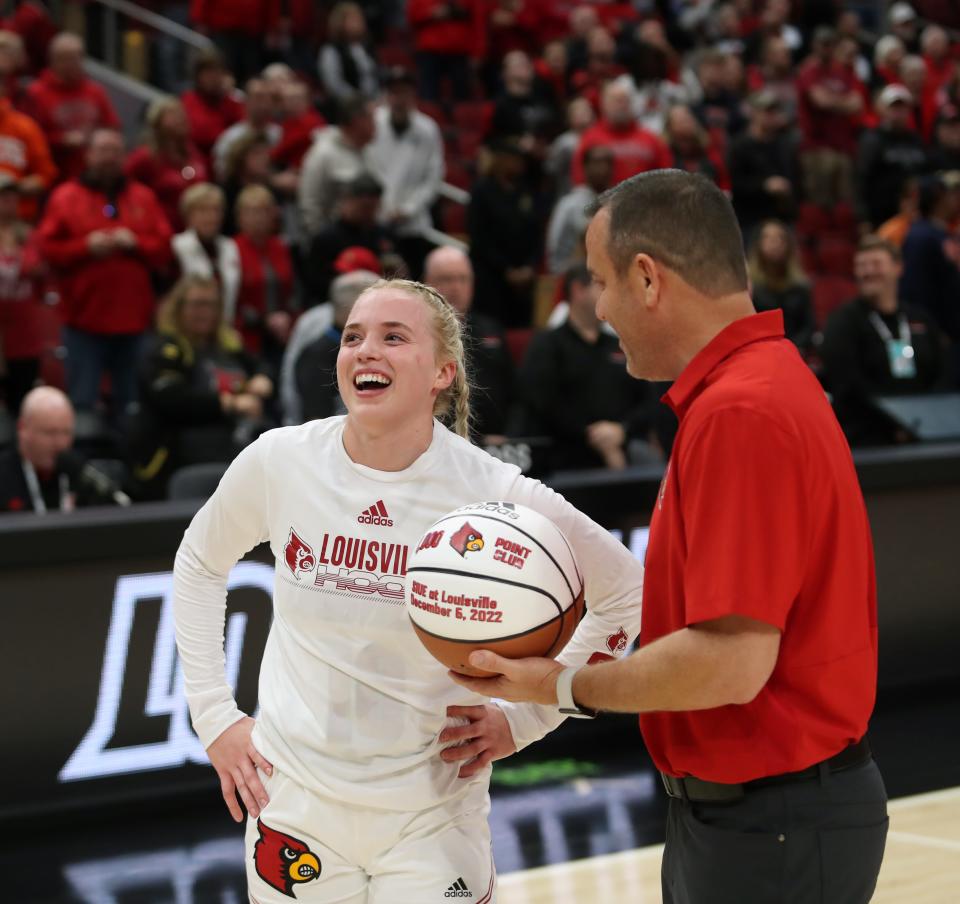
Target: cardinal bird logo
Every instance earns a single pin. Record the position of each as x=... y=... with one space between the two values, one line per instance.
x=617 y=643
x=298 y=555
x=467 y=539
x=283 y=861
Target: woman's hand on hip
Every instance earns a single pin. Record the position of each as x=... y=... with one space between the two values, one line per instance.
x=236 y=761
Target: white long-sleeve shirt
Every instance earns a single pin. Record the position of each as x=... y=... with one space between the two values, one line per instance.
x=410 y=167
x=351 y=703
x=330 y=165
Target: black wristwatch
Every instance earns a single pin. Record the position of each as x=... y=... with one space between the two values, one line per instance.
x=565 y=702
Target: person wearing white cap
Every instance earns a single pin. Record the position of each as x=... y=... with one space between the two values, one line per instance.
x=887 y=157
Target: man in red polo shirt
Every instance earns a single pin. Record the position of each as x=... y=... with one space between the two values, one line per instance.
x=68 y=105
x=104 y=237
x=756 y=673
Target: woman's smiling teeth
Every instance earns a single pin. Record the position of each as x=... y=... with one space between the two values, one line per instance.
x=370 y=381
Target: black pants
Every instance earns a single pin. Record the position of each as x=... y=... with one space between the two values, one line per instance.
x=433 y=68
x=812 y=842
x=22 y=374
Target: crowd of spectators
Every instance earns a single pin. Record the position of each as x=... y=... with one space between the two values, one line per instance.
x=197 y=283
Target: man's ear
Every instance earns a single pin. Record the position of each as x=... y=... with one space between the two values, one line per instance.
x=645 y=280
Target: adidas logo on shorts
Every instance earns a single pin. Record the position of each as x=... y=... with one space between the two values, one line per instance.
x=458 y=890
x=376 y=514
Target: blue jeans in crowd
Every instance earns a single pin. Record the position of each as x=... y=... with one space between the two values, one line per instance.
x=89 y=355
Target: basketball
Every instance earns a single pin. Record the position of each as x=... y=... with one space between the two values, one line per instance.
x=493 y=576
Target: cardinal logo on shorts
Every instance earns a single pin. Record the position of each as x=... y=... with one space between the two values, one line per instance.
x=467 y=539
x=282 y=861
x=617 y=643
x=298 y=555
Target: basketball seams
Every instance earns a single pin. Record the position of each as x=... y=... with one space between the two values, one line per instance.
x=530 y=537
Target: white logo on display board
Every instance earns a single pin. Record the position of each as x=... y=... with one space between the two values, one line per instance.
x=94 y=757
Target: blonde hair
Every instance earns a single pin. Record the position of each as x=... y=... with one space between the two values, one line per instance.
x=168 y=316
x=199 y=194
x=452 y=405
x=155 y=112
x=253 y=195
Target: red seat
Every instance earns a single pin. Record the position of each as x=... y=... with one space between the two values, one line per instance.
x=835 y=256
x=390 y=55
x=829 y=292
x=459 y=175
x=845 y=218
x=473 y=116
x=812 y=221
x=54 y=355
x=453 y=218
x=434 y=111
x=808 y=257
x=517 y=342
x=468 y=143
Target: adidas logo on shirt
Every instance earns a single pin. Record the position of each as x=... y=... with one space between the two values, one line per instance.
x=376 y=514
x=458 y=890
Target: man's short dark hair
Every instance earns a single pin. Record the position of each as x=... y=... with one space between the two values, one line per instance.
x=683 y=221
x=876 y=243
x=363 y=186
x=931 y=190
x=351 y=107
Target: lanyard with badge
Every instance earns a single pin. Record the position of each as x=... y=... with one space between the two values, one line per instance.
x=36 y=495
x=900 y=353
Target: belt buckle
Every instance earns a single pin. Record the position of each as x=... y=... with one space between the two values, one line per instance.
x=673 y=786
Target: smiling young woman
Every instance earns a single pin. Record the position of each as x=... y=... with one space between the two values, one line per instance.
x=365 y=775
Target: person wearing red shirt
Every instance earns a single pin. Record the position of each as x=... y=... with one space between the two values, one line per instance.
x=448 y=35
x=169 y=163
x=513 y=25
x=210 y=108
x=600 y=66
x=775 y=73
x=21 y=305
x=830 y=107
x=36 y=28
x=635 y=149
x=757 y=667
x=300 y=126
x=266 y=301
x=104 y=236
x=68 y=106
x=914 y=76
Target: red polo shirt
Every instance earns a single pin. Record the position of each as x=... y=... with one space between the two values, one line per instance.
x=760 y=515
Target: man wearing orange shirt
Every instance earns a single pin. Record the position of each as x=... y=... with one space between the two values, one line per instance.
x=25 y=155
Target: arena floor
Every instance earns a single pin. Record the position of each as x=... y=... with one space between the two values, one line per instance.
x=583 y=827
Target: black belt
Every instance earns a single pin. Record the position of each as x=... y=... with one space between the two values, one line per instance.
x=698 y=790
